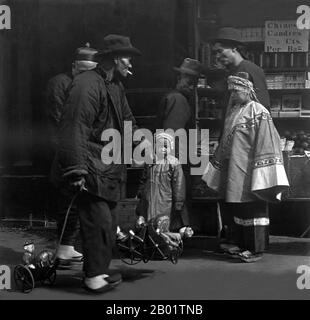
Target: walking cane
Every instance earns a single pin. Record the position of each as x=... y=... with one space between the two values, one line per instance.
x=67 y=215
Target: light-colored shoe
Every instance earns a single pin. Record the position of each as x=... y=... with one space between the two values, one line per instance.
x=96 y=284
x=66 y=252
x=248 y=256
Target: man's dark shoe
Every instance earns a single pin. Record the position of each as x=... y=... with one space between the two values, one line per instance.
x=114 y=279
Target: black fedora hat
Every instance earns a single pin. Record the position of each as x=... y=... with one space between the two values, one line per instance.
x=228 y=34
x=114 y=44
x=190 y=66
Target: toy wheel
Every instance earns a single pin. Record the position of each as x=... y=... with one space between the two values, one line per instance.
x=23 y=278
x=146 y=258
x=129 y=253
x=50 y=278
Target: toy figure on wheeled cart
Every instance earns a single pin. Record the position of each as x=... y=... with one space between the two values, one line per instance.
x=40 y=267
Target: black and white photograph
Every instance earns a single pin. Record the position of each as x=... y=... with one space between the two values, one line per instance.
x=155 y=155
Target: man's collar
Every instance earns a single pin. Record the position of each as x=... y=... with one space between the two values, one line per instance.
x=100 y=70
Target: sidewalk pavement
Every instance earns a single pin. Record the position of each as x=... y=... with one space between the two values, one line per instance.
x=198 y=275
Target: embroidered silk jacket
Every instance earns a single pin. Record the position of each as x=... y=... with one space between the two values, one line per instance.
x=248 y=163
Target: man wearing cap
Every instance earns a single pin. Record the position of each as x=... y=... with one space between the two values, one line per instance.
x=56 y=93
x=175 y=112
x=96 y=102
x=57 y=88
x=227 y=46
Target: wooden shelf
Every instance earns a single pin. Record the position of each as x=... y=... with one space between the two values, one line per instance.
x=208 y=119
x=286 y=70
x=291 y=118
x=286 y=90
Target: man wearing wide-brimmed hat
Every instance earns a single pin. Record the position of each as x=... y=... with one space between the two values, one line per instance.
x=115 y=56
x=227 y=46
x=96 y=102
x=175 y=111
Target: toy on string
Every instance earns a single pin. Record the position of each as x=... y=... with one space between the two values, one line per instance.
x=40 y=267
x=152 y=241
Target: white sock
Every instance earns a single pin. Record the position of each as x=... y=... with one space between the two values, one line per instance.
x=96 y=282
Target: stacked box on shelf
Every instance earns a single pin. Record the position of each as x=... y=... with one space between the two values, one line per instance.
x=289 y=80
x=294 y=80
x=275 y=81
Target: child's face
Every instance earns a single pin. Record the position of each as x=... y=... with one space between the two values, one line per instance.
x=239 y=97
x=162 y=148
x=29 y=248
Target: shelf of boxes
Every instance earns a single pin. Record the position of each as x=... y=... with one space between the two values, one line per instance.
x=289 y=80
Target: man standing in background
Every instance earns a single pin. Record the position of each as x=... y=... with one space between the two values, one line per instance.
x=227 y=47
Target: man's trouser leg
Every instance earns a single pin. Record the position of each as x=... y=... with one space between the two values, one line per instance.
x=227 y=216
x=252 y=226
x=98 y=227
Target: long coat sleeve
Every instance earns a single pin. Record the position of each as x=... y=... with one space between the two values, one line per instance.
x=93 y=106
x=178 y=187
x=55 y=97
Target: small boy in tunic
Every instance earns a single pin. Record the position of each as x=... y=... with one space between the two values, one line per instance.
x=162 y=190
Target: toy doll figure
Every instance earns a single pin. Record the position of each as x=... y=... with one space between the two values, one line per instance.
x=45 y=258
x=29 y=255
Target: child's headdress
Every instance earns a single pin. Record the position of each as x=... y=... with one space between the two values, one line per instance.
x=165 y=136
x=240 y=83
